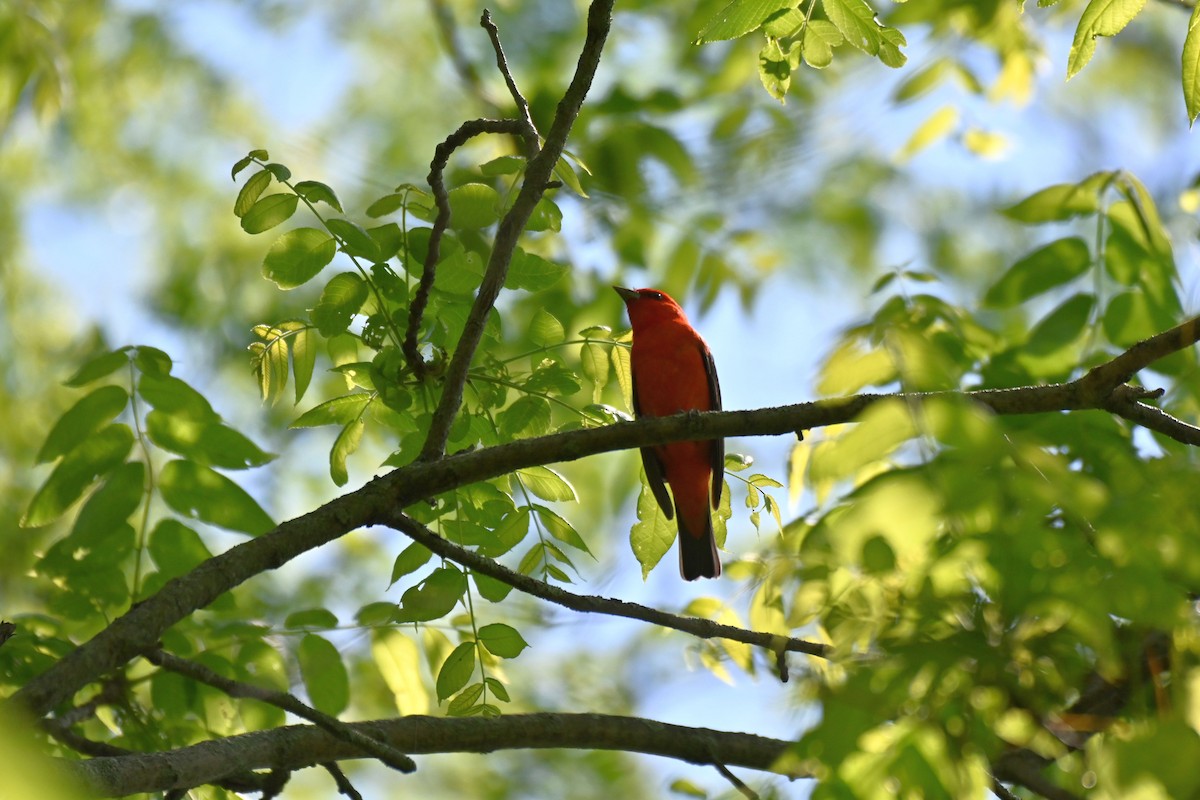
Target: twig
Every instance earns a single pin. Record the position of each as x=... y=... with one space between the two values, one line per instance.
x=441 y=157
x=7 y=629
x=530 y=136
x=737 y=782
x=344 y=786
x=198 y=672
x=702 y=628
x=537 y=176
x=1001 y=791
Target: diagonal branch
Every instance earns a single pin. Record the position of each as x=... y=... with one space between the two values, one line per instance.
x=702 y=628
x=537 y=176
x=298 y=746
x=198 y=672
x=140 y=628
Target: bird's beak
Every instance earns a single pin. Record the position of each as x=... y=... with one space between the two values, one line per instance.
x=628 y=295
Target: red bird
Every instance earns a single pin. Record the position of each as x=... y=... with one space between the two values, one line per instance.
x=673 y=371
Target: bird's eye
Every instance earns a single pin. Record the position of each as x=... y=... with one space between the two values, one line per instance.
x=654 y=295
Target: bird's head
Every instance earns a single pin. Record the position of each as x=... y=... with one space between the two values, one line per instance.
x=648 y=305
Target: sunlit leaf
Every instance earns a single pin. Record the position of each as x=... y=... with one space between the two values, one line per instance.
x=297 y=256
x=456 y=670
x=502 y=640
x=739 y=18
x=1100 y=18
x=269 y=211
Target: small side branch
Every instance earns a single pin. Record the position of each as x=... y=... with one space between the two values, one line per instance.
x=530 y=136
x=198 y=672
x=702 y=628
x=441 y=157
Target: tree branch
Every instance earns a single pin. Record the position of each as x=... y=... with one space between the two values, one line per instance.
x=441 y=157
x=299 y=746
x=140 y=628
x=530 y=136
x=537 y=176
x=702 y=628
x=198 y=672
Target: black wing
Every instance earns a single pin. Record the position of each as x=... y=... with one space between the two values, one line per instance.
x=655 y=475
x=718 y=448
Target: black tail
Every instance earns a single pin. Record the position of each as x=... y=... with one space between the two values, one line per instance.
x=697 y=554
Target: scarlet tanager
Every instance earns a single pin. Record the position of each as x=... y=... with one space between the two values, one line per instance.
x=673 y=371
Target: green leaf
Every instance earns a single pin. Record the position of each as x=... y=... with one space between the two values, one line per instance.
x=566 y=173
x=151 y=361
x=1057 y=263
x=311 y=618
x=1131 y=317
x=545 y=329
x=176 y=548
x=456 y=670
x=546 y=216
x=385 y=205
x=210 y=443
x=121 y=493
x=473 y=205
x=502 y=640
x=304 y=358
x=357 y=241
x=269 y=211
x=317 y=192
x=1061 y=202
x=820 y=37
x=346 y=444
x=1055 y=344
x=491 y=589
x=174 y=396
x=98 y=367
x=388 y=239
x=324 y=675
x=340 y=300
x=200 y=493
x=1100 y=18
x=529 y=415
x=739 y=18
x=240 y=165
x=1191 y=67
x=938 y=126
x=923 y=80
x=532 y=272
x=280 y=172
x=411 y=559
x=337 y=411
x=433 y=598
x=503 y=165
x=855 y=20
x=297 y=256
x=545 y=483
x=652 y=535
x=93 y=457
x=561 y=529
x=775 y=69
x=250 y=193
x=87 y=416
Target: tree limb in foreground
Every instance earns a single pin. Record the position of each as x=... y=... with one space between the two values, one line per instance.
x=298 y=746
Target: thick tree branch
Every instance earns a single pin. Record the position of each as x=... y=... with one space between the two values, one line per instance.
x=141 y=627
x=537 y=176
x=198 y=672
x=702 y=628
x=299 y=746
